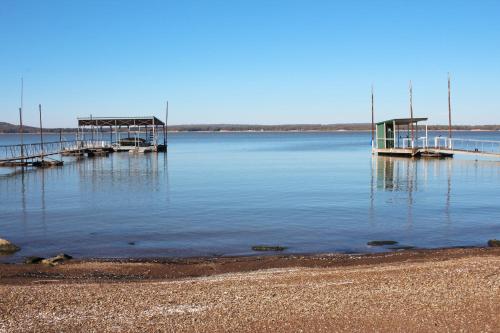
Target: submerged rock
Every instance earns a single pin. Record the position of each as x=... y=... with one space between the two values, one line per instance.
x=57 y=259
x=33 y=260
x=381 y=242
x=7 y=247
x=494 y=243
x=268 y=248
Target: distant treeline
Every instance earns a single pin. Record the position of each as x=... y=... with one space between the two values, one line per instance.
x=11 y=128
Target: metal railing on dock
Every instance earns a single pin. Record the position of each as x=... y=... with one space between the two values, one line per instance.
x=437 y=145
x=23 y=152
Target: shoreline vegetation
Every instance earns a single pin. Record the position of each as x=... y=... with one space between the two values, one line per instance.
x=7 y=128
x=415 y=290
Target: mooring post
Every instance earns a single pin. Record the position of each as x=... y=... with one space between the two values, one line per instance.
x=91 y=129
x=60 y=143
x=22 y=134
x=373 y=123
x=41 y=128
x=449 y=111
x=411 y=115
x=166 y=126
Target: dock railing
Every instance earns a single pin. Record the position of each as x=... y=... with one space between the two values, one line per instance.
x=408 y=143
x=20 y=152
x=468 y=145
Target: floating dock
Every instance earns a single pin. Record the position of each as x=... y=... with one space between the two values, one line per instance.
x=401 y=137
x=125 y=134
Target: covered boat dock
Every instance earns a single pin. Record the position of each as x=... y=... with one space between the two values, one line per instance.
x=403 y=137
x=141 y=134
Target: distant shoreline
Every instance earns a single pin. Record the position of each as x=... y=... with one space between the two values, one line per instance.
x=265 y=131
x=339 y=127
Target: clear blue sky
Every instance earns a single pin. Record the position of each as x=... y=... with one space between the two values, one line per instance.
x=266 y=62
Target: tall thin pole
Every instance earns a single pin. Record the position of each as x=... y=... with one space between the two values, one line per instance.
x=60 y=142
x=449 y=106
x=411 y=113
x=21 y=129
x=22 y=91
x=166 y=124
x=91 y=130
x=41 y=127
x=373 y=121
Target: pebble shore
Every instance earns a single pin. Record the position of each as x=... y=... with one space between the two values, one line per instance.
x=445 y=290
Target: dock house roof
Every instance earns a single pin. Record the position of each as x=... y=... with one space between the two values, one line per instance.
x=403 y=121
x=120 y=121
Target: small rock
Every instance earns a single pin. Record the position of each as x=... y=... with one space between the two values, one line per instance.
x=381 y=242
x=33 y=260
x=7 y=247
x=65 y=256
x=57 y=259
x=494 y=243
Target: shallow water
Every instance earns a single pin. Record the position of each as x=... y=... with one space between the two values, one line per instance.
x=222 y=193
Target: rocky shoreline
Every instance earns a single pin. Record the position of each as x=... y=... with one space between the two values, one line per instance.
x=65 y=269
x=410 y=290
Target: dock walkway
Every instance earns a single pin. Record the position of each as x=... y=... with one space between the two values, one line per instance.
x=443 y=147
x=28 y=154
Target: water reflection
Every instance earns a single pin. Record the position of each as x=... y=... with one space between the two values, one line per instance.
x=120 y=173
x=228 y=195
x=124 y=172
x=405 y=177
x=405 y=183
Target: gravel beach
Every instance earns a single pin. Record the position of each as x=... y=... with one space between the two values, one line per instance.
x=439 y=290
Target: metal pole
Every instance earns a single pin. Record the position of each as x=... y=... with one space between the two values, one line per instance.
x=21 y=130
x=91 y=129
x=60 y=142
x=449 y=107
x=411 y=113
x=166 y=125
x=426 y=136
x=373 y=122
x=41 y=127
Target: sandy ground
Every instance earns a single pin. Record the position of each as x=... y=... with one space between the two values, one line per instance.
x=445 y=290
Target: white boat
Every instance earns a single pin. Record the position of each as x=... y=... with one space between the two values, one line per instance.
x=140 y=150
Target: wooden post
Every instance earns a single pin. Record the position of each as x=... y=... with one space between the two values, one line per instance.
x=41 y=128
x=449 y=107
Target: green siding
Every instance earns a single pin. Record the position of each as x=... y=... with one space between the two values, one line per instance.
x=380 y=136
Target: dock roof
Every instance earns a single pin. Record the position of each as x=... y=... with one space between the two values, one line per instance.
x=120 y=121
x=403 y=121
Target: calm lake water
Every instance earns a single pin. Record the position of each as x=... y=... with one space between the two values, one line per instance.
x=222 y=193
